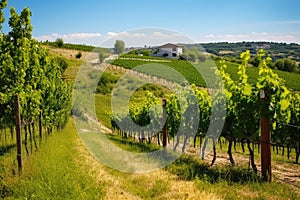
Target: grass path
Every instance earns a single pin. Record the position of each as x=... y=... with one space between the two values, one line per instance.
x=63 y=169
x=55 y=171
x=156 y=185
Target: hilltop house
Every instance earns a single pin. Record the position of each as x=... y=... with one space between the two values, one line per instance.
x=169 y=51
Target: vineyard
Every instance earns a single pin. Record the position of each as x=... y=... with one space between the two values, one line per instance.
x=206 y=113
x=242 y=116
x=29 y=72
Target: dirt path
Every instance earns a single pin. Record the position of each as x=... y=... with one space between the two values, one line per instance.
x=123 y=185
x=283 y=172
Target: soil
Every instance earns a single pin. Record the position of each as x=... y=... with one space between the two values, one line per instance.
x=281 y=171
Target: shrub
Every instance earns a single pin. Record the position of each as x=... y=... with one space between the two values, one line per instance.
x=59 y=42
x=286 y=64
x=78 y=55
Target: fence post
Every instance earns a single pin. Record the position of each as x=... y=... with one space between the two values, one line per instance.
x=164 y=131
x=40 y=128
x=265 y=140
x=18 y=132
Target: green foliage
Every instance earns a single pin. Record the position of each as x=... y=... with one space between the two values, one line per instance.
x=79 y=47
x=119 y=46
x=286 y=64
x=242 y=99
x=194 y=55
x=78 y=55
x=278 y=96
x=59 y=42
x=3 y=4
x=292 y=80
x=276 y=50
x=102 y=54
x=143 y=52
x=185 y=68
x=27 y=70
x=63 y=65
x=107 y=82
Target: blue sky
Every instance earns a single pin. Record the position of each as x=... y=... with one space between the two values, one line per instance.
x=93 y=21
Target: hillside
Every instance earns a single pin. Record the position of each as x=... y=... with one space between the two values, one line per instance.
x=187 y=69
x=69 y=171
x=276 y=50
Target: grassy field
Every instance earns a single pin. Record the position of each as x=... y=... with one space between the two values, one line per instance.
x=191 y=73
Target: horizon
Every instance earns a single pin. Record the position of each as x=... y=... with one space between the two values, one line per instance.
x=95 y=22
x=187 y=43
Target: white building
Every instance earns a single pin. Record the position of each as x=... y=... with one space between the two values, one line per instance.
x=169 y=50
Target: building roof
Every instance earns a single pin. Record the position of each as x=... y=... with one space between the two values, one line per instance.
x=169 y=45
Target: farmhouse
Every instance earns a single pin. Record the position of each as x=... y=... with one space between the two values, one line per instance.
x=169 y=51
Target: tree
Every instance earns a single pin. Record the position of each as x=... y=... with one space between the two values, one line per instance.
x=102 y=55
x=59 y=42
x=119 y=46
x=201 y=57
x=3 y=4
x=192 y=57
x=286 y=64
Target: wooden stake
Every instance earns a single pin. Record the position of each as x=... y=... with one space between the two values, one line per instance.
x=265 y=140
x=40 y=128
x=164 y=131
x=18 y=132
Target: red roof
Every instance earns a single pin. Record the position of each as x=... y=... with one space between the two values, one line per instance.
x=169 y=45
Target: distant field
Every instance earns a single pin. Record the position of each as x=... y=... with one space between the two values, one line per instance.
x=190 y=72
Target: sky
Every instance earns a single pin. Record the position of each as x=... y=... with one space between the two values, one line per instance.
x=96 y=21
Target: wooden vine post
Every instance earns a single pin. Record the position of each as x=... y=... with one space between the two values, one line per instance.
x=164 y=130
x=18 y=132
x=265 y=140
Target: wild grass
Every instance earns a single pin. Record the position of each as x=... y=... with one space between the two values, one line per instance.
x=53 y=172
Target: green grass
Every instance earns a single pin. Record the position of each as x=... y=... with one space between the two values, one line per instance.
x=292 y=80
x=102 y=106
x=251 y=190
x=129 y=145
x=191 y=73
x=227 y=182
x=58 y=171
x=73 y=67
x=53 y=172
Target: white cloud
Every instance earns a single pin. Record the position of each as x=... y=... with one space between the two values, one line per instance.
x=226 y=37
x=111 y=34
x=145 y=36
x=135 y=38
x=77 y=38
x=83 y=35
